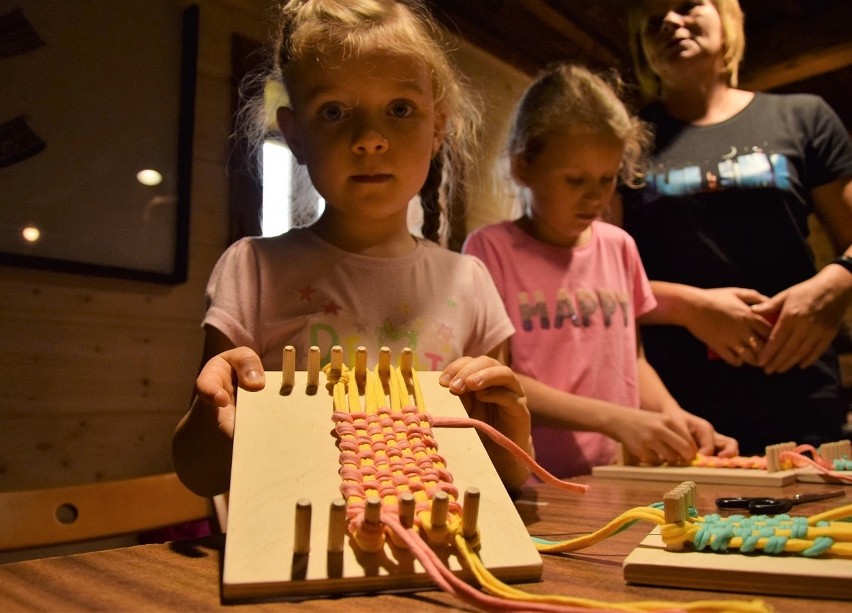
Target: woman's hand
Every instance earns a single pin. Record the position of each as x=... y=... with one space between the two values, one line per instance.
x=727 y=322
x=809 y=315
x=217 y=383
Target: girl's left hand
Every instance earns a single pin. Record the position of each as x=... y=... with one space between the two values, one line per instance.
x=809 y=315
x=490 y=392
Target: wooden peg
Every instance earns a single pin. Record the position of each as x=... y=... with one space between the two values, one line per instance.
x=384 y=364
x=440 y=506
x=336 y=525
x=302 y=538
x=406 y=359
x=470 y=515
x=384 y=360
x=313 y=367
x=774 y=462
x=288 y=369
x=406 y=509
x=335 y=365
x=361 y=368
x=373 y=510
x=837 y=450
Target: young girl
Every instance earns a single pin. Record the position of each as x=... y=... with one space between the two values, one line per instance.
x=376 y=114
x=574 y=285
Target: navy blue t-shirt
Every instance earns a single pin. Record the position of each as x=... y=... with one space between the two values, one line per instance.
x=727 y=205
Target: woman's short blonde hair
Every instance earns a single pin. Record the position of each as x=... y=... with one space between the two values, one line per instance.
x=733 y=29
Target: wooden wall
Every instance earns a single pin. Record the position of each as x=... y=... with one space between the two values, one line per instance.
x=96 y=372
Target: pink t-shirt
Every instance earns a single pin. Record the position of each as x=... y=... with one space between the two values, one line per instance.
x=296 y=289
x=574 y=312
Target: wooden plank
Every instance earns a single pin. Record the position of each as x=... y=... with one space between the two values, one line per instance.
x=699 y=474
x=651 y=564
x=284 y=450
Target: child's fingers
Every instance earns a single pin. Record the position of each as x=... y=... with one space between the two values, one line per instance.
x=216 y=381
x=248 y=367
x=465 y=372
x=726 y=447
x=475 y=377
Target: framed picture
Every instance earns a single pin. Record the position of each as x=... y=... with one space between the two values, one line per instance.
x=96 y=126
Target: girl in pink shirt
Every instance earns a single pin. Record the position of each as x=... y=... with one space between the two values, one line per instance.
x=574 y=285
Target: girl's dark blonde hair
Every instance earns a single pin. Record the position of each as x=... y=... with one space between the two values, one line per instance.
x=571 y=98
x=733 y=30
x=308 y=29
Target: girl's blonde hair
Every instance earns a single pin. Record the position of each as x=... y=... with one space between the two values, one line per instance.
x=568 y=97
x=308 y=29
x=733 y=31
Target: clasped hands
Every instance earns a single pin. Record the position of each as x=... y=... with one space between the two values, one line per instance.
x=792 y=328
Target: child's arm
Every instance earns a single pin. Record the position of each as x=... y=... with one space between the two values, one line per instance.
x=650 y=436
x=203 y=441
x=655 y=397
x=492 y=393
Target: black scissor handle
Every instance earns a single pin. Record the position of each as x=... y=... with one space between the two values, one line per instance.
x=762 y=506
x=733 y=503
x=769 y=506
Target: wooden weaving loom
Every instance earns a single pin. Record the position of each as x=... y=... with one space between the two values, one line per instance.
x=663 y=561
x=285 y=451
x=776 y=469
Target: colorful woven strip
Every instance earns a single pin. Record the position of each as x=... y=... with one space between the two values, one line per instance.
x=840 y=469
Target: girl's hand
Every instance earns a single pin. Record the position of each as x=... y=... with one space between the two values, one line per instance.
x=728 y=324
x=809 y=316
x=709 y=442
x=217 y=383
x=674 y=436
x=490 y=392
x=653 y=437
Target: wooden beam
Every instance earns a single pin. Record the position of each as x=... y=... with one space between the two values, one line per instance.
x=558 y=22
x=797 y=48
x=798 y=68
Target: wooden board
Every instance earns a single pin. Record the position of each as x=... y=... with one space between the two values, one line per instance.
x=809 y=474
x=699 y=474
x=651 y=564
x=284 y=450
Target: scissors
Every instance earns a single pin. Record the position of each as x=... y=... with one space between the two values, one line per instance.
x=772 y=506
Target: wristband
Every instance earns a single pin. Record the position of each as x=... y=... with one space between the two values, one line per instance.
x=843 y=260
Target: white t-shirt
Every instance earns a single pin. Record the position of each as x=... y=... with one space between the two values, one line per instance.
x=296 y=289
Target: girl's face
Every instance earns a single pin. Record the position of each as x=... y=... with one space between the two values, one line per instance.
x=679 y=33
x=366 y=127
x=570 y=182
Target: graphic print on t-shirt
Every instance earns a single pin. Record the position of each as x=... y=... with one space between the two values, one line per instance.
x=431 y=341
x=748 y=167
x=581 y=308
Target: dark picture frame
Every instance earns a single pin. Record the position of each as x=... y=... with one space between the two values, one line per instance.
x=101 y=90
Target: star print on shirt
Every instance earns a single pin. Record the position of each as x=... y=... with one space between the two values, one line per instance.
x=331 y=308
x=446 y=333
x=306 y=293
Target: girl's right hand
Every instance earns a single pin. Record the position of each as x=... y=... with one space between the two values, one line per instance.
x=217 y=383
x=654 y=438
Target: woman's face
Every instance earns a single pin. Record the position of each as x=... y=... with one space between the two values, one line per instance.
x=682 y=38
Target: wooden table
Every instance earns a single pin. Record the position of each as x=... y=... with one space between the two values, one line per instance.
x=186 y=575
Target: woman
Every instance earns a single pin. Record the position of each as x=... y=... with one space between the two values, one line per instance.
x=744 y=325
